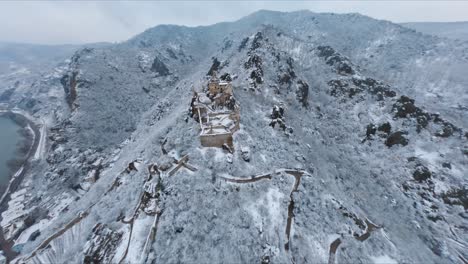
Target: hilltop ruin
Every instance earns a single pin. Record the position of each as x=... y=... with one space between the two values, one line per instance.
x=218 y=113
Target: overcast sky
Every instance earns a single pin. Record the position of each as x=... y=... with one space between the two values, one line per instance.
x=57 y=22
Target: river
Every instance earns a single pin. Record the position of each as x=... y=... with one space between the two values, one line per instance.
x=9 y=140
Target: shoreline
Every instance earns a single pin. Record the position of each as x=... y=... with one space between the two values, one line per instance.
x=18 y=175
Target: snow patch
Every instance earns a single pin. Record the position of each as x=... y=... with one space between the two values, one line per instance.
x=384 y=259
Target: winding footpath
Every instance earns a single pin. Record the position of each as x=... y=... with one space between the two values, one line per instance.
x=297 y=174
x=370 y=227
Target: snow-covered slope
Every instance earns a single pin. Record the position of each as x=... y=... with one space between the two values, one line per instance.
x=369 y=166
x=453 y=30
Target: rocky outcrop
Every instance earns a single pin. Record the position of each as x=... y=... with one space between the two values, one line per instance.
x=286 y=73
x=341 y=63
x=227 y=44
x=171 y=53
x=277 y=119
x=215 y=67
x=257 y=41
x=382 y=130
x=396 y=138
x=245 y=153
x=226 y=77
x=370 y=130
x=376 y=88
x=302 y=93
x=69 y=83
x=159 y=67
x=457 y=196
x=243 y=44
x=343 y=88
x=385 y=128
x=421 y=173
x=404 y=107
x=101 y=247
x=255 y=63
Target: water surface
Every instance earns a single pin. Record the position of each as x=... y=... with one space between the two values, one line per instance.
x=9 y=138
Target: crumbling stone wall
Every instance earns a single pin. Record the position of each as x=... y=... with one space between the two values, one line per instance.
x=216 y=140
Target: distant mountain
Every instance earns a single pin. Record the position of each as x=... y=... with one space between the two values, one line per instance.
x=452 y=30
x=23 y=65
x=34 y=53
x=352 y=147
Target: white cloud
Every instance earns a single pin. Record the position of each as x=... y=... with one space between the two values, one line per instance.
x=86 y=21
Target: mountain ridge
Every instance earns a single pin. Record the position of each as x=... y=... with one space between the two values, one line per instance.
x=383 y=171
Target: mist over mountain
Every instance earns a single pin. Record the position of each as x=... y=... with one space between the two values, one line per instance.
x=352 y=147
x=452 y=30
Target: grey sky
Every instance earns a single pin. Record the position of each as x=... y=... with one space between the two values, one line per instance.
x=54 y=22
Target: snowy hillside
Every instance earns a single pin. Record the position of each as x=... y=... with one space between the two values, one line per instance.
x=352 y=148
x=453 y=30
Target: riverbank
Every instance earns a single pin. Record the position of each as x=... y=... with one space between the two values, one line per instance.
x=23 y=166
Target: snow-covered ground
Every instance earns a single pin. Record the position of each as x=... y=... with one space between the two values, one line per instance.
x=382 y=174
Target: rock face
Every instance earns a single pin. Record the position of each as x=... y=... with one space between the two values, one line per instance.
x=102 y=244
x=302 y=93
x=256 y=75
x=421 y=173
x=370 y=130
x=339 y=62
x=396 y=138
x=159 y=67
x=215 y=67
x=350 y=123
x=385 y=128
x=245 y=152
x=277 y=117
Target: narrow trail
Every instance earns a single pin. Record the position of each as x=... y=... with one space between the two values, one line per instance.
x=64 y=229
x=151 y=237
x=84 y=214
x=72 y=223
x=41 y=147
x=370 y=227
x=132 y=222
x=333 y=247
x=248 y=180
x=153 y=229
x=297 y=174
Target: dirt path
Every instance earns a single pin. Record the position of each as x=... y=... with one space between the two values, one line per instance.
x=333 y=247
x=64 y=229
x=151 y=237
x=131 y=223
x=72 y=223
x=135 y=215
x=297 y=174
x=248 y=180
x=370 y=227
x=41 y=145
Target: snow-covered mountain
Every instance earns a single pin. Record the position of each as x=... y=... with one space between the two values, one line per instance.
x=368 y=165
x=453 y=30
